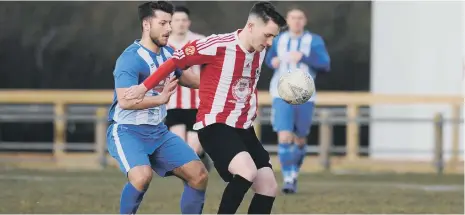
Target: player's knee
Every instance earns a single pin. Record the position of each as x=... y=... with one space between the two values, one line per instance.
x=140 y=176
x=265 y=182
x=242 y=164
x=300 y=141
x=285 y=137
x=200 y=179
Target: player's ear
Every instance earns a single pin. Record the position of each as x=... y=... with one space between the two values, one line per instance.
x=250 y=26
x=146 y=25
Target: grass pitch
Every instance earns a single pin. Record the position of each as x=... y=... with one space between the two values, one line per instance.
x=27 y=191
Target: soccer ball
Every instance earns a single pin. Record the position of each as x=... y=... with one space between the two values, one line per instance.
x=296 y=87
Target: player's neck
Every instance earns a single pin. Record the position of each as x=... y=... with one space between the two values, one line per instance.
x=244 y=42
x=180 y=37
x=150 y=45
x=296 y=33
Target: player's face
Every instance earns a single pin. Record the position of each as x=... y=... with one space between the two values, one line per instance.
x=296 y=20
x=160 y=28
x=180 y=23
x=263 y=34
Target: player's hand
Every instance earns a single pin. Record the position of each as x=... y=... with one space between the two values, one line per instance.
x=295 y=57
x=169 y=89
x=136 y=92
x=275 y=62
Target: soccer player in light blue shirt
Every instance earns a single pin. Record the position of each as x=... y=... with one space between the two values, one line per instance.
x=137 y=137
x=294 y=49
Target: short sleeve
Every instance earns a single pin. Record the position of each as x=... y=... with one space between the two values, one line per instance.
x=125 y=73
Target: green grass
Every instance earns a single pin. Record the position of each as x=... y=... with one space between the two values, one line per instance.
x=25 y=191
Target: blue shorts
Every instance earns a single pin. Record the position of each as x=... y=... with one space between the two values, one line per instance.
x=152 y=145
x=293 y=118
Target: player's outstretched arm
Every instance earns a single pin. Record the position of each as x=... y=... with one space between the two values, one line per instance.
x=148 y=101
x=183 y=58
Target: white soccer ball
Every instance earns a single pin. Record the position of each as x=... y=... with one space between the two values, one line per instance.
x=296 y=87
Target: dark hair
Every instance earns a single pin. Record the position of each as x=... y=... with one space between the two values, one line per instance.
x=182 y=9
x=148 y=9
x=266 y=11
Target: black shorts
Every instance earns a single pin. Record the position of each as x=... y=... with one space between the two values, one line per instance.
x=222 y=142
x=185 y=117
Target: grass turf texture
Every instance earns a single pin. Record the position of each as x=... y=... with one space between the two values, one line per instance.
x=27 y=191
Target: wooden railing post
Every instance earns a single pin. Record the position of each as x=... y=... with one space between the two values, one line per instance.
x=326 y=139
x=438 y=158
x=100 y=136
x=455 y=156
x=352 y=132
x=59 y=139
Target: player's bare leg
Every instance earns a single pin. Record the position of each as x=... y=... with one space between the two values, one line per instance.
x=194 y=143
x=286 y=158
x=265 y=188
x=244 y=170
x=195 y=178
x=179 y=130
x=139 y=179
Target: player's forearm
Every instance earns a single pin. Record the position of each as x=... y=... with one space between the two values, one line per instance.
x=162 y=72
x=148 y=102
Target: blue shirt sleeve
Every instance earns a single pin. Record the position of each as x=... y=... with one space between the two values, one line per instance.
x=319 y=57
x=126 y=71
x=272 y=53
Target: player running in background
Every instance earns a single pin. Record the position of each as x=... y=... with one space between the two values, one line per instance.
x=183 y=104
x=228 y=94
x=296 y=48
x=137 y=137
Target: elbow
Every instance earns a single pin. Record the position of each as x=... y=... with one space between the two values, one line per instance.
x=124 y=104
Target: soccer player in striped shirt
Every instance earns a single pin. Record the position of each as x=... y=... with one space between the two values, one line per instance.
x=183 y=104
x=231 y=65
x=295 y=48
x=137 y=137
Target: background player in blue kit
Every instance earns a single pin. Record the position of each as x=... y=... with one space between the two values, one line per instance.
x=137 y=137
x=294 y=49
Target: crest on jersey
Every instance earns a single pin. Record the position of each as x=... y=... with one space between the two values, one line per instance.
x=189 y=50
x=257 y=72
x=242 y=89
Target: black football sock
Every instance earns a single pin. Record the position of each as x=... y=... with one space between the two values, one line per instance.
x=261 y=204
x=233 y=195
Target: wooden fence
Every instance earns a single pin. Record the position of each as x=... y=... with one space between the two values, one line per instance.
x=351 y=100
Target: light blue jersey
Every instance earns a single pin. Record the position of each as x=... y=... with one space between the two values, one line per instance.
x=315 y=57
x=133 y=66
x=139 y=137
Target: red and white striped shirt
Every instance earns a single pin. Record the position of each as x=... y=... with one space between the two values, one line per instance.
x=184 y=97
x=228 y=79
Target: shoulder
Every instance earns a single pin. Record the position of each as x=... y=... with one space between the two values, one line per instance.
x=130 y=58
x=215 y=40
x=316 y=38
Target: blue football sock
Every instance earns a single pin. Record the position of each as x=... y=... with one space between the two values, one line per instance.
x=286 y=160
x=130 y=199
x=299 y=155
x=192 y=200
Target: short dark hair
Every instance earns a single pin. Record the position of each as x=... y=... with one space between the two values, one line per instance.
x=182 y=9
x=148 y=9
x=266 y=11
